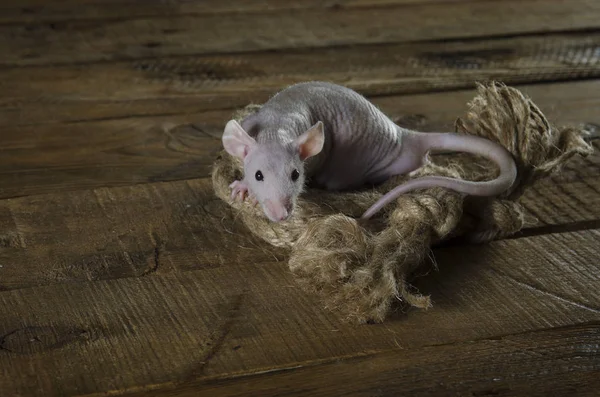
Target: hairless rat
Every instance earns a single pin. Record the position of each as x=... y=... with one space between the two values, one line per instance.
x=341 y=141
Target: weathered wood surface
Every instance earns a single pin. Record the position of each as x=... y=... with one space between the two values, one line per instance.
x=121 y=272
x=114 y=39
x=126 y=232
x=221 y=321
x=14 y=11
x=42 y=158
x=191 y=84
x=522 y=364
x=174 y=258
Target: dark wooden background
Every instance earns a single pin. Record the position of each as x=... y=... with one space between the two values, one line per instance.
x=121 y=272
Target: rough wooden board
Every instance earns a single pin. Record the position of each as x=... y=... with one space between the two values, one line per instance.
x=122 y=232
x=192 y=84
x=561 y=361
x=558 y=202
x=89 y=41
x=227 y=321
x=42 y=10
x=152 y=286
x=528 y=263
x=81 y=155
x=182 y=226
x=43 y=158
x=85 y=338
x=566 y=103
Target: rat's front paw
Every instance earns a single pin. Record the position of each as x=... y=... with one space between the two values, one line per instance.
x=238 y=189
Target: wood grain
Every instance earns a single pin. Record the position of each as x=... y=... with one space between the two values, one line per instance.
x=42 y=10
x=523 y=364
x=122 y=273
x=65 y=156
x=179 y=85
x=217 y=322
x=558 y=202
x=126 y=152
x=90 y=41
x=125 y=232
x=159 y=228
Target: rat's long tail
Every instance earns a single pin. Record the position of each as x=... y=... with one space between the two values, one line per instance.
x=457 y=143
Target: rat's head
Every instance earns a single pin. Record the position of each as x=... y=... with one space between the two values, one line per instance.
x=274 y=172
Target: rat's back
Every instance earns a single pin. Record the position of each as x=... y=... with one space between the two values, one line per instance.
x=360 y=141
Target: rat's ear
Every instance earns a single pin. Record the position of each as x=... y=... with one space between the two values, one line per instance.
x=236 y=141
x=311 y=142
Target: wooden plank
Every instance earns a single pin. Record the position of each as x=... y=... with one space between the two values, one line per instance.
x=35 y=11
x=224 y=321
x=530 y=264
x=43 y=158
x=191 y=84
x=124 y=232
x=182 y=226
x=561 y=361
x=555 y=202
x=125 y=152
x=89 y=41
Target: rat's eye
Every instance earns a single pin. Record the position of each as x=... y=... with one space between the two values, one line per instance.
x=259 y=176
x=295 y=175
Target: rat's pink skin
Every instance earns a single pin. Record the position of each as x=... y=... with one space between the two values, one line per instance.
x=238 y=190
x=340 y=141
x=278 y=210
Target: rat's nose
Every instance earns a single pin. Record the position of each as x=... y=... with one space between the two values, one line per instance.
x=279 y=210
x=283 y=215
x=280 y=213
x=285 y=209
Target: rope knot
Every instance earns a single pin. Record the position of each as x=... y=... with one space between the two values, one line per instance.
x=359 y=272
